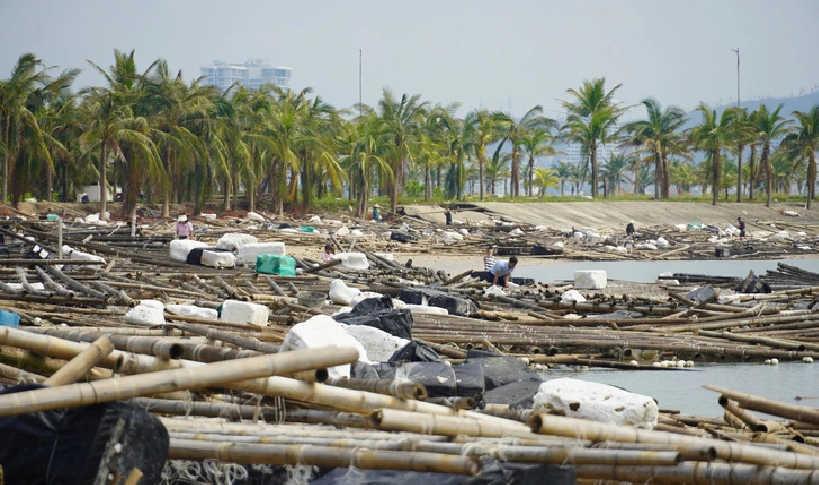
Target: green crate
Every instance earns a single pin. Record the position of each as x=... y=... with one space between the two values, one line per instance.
x=276 y=264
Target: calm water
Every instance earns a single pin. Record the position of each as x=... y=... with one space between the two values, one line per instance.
x=647 y=271
x=683 y=389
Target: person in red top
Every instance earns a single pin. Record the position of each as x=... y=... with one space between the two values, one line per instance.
x=184 y=229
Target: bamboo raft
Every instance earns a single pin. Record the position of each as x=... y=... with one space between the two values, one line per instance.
x=226 y=394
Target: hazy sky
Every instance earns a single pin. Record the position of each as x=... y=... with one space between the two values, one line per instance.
x=481 y=53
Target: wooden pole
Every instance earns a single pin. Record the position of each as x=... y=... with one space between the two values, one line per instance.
x=756 y=403
x=82 y=363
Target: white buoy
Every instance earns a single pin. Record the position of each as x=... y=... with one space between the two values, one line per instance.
x=767 y=361
x=634 y=362
x=681 y=364
x=690 y=363
x=807 y=360
x=774 y=361
x=656 y=364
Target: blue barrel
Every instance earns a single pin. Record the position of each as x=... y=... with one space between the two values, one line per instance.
x=9 y=319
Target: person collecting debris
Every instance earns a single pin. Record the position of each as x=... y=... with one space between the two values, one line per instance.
x=741 y=229
x=502 y=270
x=184 y=229
x=376 y=215
x=630 y=229
x=328 y=253
x=489 y=260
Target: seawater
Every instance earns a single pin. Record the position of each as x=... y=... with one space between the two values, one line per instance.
x=647 y=271
x=682 y=389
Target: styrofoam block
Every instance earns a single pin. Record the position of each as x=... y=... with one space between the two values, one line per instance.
x=247 y=253
x=322 y=331
x=235 y=311
x=363 y=296
x=464 y=231
x=218 y=259
x=145 y=315
x=662 y=242
x=457 y=236
x=780 y=235
x=493 y=290
x=801 y=234
x=590 y=232
x=181 y=247
x=84 y=256
x=379 y=344
x=577 y=235
x=681 y=227
x=516 y=232
x=253 y=216
x=315 y=219
x=92 y=217
x=343 y=231
x=386 y=234
x=152 y=304
x=572 y=295
x=558 y=244
x=387 y=256
x=597 y=402
x=590 y=279
x=19 y=286
x=208 y=216
x=790 y=213
x=233 y=240
x=356 y=233
x=424 y=310
x=760 y=234
x=341 y=293
x=353 y=260
x=194 y=311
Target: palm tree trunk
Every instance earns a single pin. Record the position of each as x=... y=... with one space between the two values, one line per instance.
x=666 y=177
x=166 y=191
x=236 y=186
x=594 y=181
x=716 y=175
x=515 y=182
x=428 y=178
x=225 y=194
x=811 y=177
x=739 y=173
x=753 y=179
x=765 y=160
x=6 y=159
x=532 y=173
x=103 y=180
x=658 y=175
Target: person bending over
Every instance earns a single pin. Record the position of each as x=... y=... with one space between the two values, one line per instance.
x=741 y=228
x=502 y=271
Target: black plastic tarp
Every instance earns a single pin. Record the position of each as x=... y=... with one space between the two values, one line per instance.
x=395 y=322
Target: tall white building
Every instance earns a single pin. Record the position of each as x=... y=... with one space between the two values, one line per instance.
x=252 y=74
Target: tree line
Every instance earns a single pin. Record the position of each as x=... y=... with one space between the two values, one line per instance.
x=157 y=136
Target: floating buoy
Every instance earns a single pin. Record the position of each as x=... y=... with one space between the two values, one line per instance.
x=807 y=360
x=767 y=361
x=634 y=362
x=774 y=361
x=690 y=363
x=681 y=364
x=656 y=364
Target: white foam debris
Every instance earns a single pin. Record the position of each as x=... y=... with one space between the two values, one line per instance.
x=71 y=253
x=680 y=227
x=343 y=231
x=322 y=331
x=363 y=296
x=597 y=402
x=341 y=293
x=778 y=236
x=572 y=295
x=208 y=216
x=235 y=240
x=454 y=235
x=379 y=344
x=790 y=213
x=255 y=216
x=148 y=312
x=424 y=310
x=181 y=247
x=247 y=253
x=590 y=279
x=218 y=259
x=194 y=311
x=353 y=260
x=315 y=220
x=356 y=233
x=235 y=311
x=387 y=256
x=662 y=242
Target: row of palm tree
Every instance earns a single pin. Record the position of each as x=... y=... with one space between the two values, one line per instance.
x=153 y=134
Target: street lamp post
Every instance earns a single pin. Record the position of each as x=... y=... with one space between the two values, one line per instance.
x=739 y=174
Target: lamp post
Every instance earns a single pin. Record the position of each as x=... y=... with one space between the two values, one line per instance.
x=739 y=171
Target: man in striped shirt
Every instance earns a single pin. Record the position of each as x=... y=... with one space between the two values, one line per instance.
x=488 y=260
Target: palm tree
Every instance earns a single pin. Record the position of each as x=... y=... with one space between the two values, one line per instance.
x=530 y=127
x=712 y=136
x=658 y=135
x=563 y=171
x=767 y=127
x=28 y=79
x=536 y=140
x=593 y=115
x=545 y=178
x=402 y=120
x=614 y=170
x=496 y=168
x=682 y=175
x=805 y=139
x=369 y=154
x=486 y=128
x=742 y=133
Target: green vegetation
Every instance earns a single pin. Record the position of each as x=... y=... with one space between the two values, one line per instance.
x=155 y=135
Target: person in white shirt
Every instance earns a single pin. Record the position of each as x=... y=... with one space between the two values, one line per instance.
x=184 y=229
x=502 y=271
x=328 y=254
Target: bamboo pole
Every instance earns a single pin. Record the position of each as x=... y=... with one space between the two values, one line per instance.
x=422 y=423
x=236 y=372
x=389 y=387
x=324 y=456
x=710 y=473
x=580 y=428
x=82 y=363
x=756 y=403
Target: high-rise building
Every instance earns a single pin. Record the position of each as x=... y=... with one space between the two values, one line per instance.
x=252 y=74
